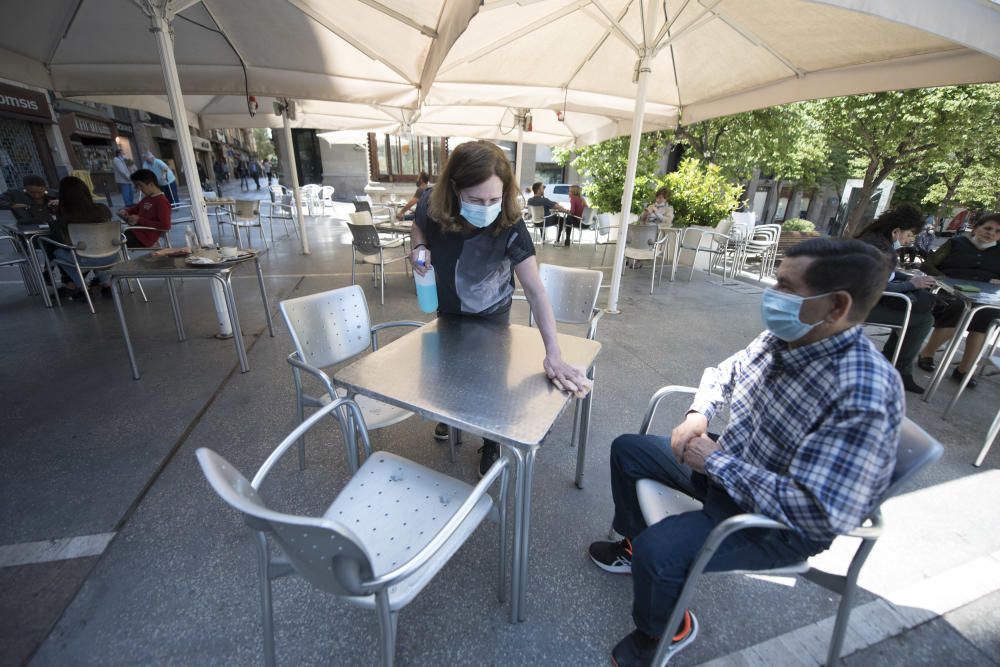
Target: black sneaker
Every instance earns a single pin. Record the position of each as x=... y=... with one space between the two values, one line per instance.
x=638 y=649
x=958 y=376
x=489 y=453
x=441 y=431
x=613 y=557
x=926 y=363
x=909 y=384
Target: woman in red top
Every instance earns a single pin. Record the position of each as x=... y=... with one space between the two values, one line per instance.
x=152 y=211
x=575 y=218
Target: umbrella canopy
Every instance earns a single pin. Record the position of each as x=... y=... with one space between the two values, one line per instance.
x=715 y=57
x=382 y=52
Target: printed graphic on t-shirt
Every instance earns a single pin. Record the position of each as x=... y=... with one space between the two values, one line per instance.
x=482 y=275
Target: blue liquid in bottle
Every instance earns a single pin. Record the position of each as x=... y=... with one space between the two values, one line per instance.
x=427 y=296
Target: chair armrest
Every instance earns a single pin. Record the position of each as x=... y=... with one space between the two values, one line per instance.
x=388 y=325
x=421 y=557
x=317 y=373
x=654 y=402
x=49 y=241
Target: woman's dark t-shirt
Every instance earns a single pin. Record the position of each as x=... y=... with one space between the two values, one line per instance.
x=474 y=272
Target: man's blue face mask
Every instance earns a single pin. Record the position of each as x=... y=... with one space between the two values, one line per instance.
x=780 y=312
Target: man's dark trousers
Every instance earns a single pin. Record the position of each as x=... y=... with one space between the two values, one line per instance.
x=663 y=553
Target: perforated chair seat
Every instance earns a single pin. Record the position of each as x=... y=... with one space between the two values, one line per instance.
x=377 y=414
x=395 y=507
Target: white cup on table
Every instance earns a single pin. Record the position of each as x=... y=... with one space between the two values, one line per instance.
x=229 y=252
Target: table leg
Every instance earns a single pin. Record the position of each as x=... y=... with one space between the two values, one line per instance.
x=175 y=308
x=584 y=430
x=227 y=288
x=39 y=276
x=949 y=353
x=116 y=295
x=524 y=506
x=263 y=292
x=515 y=571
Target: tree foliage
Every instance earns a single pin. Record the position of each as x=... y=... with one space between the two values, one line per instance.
x=701 y=194
x=265 y=147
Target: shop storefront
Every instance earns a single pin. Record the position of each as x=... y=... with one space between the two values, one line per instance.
x=90 y=140
x=24 y=147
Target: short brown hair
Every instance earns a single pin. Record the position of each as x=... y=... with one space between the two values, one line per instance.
x=845 y=265
x=470 y=164
x=665 y=191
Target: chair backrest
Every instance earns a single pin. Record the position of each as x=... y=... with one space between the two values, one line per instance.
x=917 y=449
x=724 y=225
x=361 y=218
x=326 y=192
x=366 y=239
x=99 y=239
x=320 y=550
x=277 y=191
x=588 y=217
x=572 y=292
x=362 y=205
x=247 y=208
x=537 y=215
x=740 y=231
x=745 y=217
x=641 y=237
x=328 y=327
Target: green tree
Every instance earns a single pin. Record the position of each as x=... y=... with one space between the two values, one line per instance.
x=603 y=166
x=701 y=194
x=892 y=131
x=265 y=147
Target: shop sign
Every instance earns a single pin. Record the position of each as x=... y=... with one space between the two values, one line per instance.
x=123 y=128
x=200 y=144
x=24 y=102
x=88 y=126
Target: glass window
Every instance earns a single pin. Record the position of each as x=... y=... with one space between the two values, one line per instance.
x=400 y=158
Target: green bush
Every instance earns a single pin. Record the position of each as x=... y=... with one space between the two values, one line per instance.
x=701 y=195
x=797 y=225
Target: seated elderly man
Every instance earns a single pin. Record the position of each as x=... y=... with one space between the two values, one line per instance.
x=811 y=442
x=32 y=203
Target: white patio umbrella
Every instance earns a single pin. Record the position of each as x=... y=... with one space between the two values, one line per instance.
x=712 y=57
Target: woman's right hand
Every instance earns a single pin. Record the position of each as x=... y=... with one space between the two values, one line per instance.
x=415 y=254
x=923 y=282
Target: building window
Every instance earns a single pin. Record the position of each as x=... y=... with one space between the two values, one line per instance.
x=397 y=158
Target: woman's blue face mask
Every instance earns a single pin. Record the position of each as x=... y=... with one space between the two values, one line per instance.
x=480 y=215
x=780 y=312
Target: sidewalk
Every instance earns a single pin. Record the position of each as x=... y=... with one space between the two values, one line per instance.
x=150 y=567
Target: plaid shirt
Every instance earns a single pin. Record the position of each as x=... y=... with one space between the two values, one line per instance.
x=813 y=431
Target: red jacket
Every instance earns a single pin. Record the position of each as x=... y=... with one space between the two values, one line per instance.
x=153 y=212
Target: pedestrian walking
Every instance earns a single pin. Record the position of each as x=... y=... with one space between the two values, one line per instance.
x=255 y=172
x=241 y=171
x=267 y=171
x=164 y=175
x=122 y=177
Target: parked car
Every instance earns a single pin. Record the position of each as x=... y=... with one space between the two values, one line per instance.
x=557 y=192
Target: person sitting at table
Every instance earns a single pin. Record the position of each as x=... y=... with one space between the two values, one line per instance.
x=975 y=258
x=893 y=230
x=659 y=211
x=423 y=182
x=538 y=198
x=77 y=207
x=473 y=235
x=153 y=210
x=575 y=218
x=31 y=203
x=815 y=416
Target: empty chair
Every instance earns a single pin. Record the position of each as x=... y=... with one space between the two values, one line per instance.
x=762 y=246
x=281 y=207
x=713 y=241
x=326 y=197
x=310 y=198
x=645 y=243
x=378 y=213
x=381 y=541
x=12 y=255
x=606 y=228
x=99 y=242
x=730 y=255
x=368 y=247
x=328 y=328
x=916 y=450
x=245 y=216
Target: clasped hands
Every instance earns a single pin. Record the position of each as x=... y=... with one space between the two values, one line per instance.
x=690 y=442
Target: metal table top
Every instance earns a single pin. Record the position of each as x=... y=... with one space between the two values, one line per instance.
x=480 y=376
x=163 y=266
x=988 y=294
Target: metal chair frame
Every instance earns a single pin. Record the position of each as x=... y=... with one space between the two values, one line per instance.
x=245 y=216
x=282 y=207
x=645 y=242
x=916 y=450
x=987 y=356
x=80 y=249
x=328 y=328
x=762 y=244
x=334 y=554
x=371 y=248
x=326 y=197
x=907 y=309
x=22 y=263
x=603 y=226
x=718 y=241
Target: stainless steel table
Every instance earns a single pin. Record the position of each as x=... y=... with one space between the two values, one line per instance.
x=484 y=378
x=987 y=297
x=170 y=268
x=26 y=233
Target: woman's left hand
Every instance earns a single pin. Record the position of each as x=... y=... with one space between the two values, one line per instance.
x=994 y=281
x=566 y=377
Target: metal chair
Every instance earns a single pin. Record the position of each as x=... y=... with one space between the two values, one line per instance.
x=987 y=357
x=377 y=213
x=730 y=255
x=540 y=222
x=328 y=328
x=712 y=241
x=762 y=245
x=310 y=198
x=587 y=221
x=245 y=216
x=901 y=327
x=96 y=240
x=368 y=247
x=606 y=228
x=916 y=450
x=645 y=243
x=281 y=207
x=388 y=532
x=17 y=258
x=326 y=197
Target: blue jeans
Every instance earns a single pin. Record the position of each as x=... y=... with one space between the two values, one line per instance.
x=128 y=193
x=69 y=270
x=171 y=191
x=663 y=553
